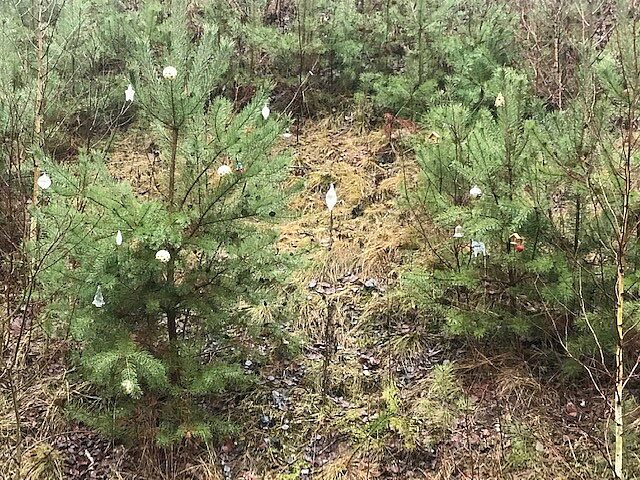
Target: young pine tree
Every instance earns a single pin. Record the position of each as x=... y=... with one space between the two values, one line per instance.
x=479 y=187
x=593 y=144
x=158 y=291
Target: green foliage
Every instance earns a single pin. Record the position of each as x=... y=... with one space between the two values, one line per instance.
x=111 y=419
x=450 y=54
x=523 y=452
x=489 y=148
x=435 y=412
x=197 y=273
x=82 y=56
x=554 y=177
x=182 y=289
x=422 y=416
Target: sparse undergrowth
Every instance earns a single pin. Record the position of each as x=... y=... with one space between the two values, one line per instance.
x=395 y=399
x=465 y=308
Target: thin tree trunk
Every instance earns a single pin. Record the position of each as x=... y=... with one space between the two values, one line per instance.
x=420 y=36
x=172 y=168
x=618 y=406
x=16 y=410
x=38 y=144
x=171 y=313
x=329 y=345
x=301 y=54
x=619 y=289
x=38 y=140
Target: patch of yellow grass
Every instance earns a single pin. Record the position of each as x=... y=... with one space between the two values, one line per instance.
x=369 y=233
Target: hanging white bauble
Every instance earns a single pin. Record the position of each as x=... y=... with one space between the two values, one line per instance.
x=475 y=192
x=119 y=238
x=128 y=386
x=169 y=72
x=499 y=100
x=44 y=181
x=265 y=112
x=163 y=256
x=331 y=198
x=224 y=170
x=98 y=299
x=129 y=93
x=458 y=232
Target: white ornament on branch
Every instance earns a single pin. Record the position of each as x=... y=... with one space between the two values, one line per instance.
x=44 y=181
x=265 y=111
x=128 y=386
x=129 y=93
x=331 y=199
x=98 y=299
x=478 y=248
x=169 y=72
x=163 y=256
x=224 y=170
x=119 y=238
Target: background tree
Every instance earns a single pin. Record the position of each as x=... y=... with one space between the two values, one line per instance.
x=602 y=168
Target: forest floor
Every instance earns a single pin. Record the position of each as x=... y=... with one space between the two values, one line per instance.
x=393 y=400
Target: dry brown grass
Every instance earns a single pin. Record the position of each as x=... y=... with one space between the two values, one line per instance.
x=369 y=232
x=347 y=466
x=42 y=390
x=133 y=161
x=518 y=388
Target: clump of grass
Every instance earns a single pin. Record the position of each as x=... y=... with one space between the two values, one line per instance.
x=517 y=387
x=345 y=466
x=420 y=416
x=42 y=462
x=523 y=452
x=436 y=403
x=205 y=467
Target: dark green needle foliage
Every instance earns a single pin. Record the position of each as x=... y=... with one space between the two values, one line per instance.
x=479 y=292
x=196 y=272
